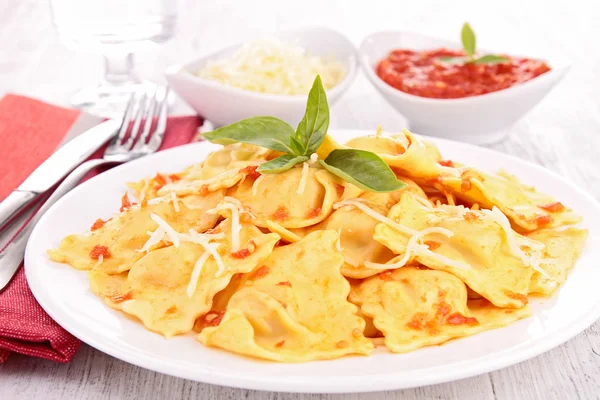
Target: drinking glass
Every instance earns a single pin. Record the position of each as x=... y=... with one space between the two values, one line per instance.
x=116 y=29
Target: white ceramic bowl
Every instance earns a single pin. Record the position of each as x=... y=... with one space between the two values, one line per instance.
x=480 y=119
x=224 y=105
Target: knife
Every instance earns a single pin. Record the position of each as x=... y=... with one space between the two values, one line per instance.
x=56 y=167
x=12 y=255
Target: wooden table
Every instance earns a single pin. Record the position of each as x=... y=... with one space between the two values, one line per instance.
x=562 y=134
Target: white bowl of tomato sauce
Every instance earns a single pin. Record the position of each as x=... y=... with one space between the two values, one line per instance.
x=457 y=100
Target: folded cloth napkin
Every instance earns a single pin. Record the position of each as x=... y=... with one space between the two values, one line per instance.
x=30 y=131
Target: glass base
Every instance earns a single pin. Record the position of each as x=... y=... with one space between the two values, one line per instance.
x=109 y=101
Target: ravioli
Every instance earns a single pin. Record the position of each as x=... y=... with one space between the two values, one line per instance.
x=157 y=286
x=528 y=209
x=295 y=310
x=478 y=250
x=407 y=153
x=416 y=307
x=275 y=197
x=563 y=248
x=356 y=231
x=120 y=238
x=237 y=155
x=109 y=287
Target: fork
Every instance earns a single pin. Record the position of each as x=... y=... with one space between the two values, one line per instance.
x=138 y=135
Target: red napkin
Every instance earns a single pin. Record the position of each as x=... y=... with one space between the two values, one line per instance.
x=30 y=131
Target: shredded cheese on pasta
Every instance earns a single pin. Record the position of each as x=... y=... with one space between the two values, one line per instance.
x=236 y=208
x=256 y=183
x=191 y=289
x=271 y=66
x=302 y=183
x=414 y=248
x=338 y=243
x=100 y=260
x=165 y=229
x=532 y=261
x=175 y=202
x=180 y=185
x=374 y=214
x=170 y=232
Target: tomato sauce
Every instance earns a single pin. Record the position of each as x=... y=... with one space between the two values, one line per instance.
x=427 y=74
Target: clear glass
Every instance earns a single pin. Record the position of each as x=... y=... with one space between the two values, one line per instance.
x=116 y=29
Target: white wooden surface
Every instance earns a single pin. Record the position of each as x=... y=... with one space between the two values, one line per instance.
x=562 y=133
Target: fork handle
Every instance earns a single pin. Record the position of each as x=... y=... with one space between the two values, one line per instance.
x=11 y=257
x=13 y=204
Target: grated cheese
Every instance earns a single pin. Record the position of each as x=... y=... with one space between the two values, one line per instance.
x=374 y=214
x=100 y=260
x=191 y=289
x=175 y=202
x=236 y=208
x=272 y=66
x=155 y=238
x=338 y=243
x=413 y=247
x=159 y=234
x=232 y=200
x=256 y=183
x=532 y=261
x=350 y=261
x=169 y=231
x=196 y=273
x=302 y=183
x=180 y=185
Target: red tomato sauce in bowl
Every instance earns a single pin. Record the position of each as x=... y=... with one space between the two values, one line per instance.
x=427 y=74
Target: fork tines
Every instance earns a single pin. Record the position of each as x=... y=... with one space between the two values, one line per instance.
x=144 y=123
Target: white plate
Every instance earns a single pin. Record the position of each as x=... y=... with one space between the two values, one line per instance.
x=64 y=293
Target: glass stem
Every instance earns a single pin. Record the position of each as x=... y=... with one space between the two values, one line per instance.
x=118 y=69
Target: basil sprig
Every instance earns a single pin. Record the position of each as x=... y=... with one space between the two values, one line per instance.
x=469 y=42
x=360 y=167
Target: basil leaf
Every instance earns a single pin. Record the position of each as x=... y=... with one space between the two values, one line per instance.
x=296 y=146
x=468 y=39
x=313 y=127
x=269 y=132
x=363 y=169
x=280 y=164
x=490 y=59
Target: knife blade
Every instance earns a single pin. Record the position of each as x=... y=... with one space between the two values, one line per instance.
x=12 y=255
x=68 y=157
x=59 y=164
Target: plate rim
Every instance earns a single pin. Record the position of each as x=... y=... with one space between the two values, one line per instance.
x=334 y=384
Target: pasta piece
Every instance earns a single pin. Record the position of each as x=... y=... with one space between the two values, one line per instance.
x=476 y=248
x=563 y=248
x=416 y=307
x=407 y=153
x=277 y=199
x=357 y=228
x=296 y=310
x=158 y=283
x=109 y=287
x=124 y=235
x=528 y=209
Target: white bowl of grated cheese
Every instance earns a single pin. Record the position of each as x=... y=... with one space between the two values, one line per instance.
x=270 y=76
